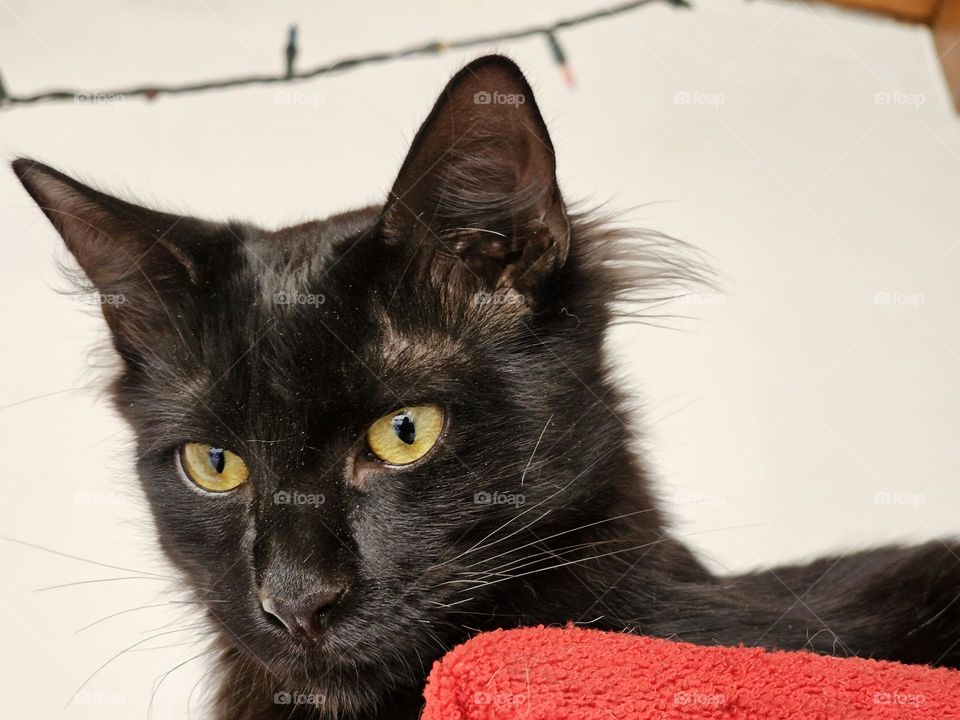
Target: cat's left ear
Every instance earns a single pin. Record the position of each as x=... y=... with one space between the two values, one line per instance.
x=478 y=189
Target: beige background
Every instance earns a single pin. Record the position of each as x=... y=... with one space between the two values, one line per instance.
x=812 y=407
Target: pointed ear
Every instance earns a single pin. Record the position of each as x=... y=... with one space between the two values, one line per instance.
x=138 y=261
x=478 y=189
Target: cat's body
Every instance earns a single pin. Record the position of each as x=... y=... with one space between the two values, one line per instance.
x=472 y=290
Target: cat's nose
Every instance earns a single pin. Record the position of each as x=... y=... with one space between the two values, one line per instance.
x=305 y=616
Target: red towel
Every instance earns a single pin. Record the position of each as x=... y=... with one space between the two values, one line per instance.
x=575 y=674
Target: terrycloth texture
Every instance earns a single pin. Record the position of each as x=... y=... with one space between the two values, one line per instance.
x=575 y=674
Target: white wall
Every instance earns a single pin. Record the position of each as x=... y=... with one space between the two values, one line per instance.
x=773 y=419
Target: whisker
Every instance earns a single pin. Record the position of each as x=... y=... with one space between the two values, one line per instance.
x=170 y=645
x=569 y=562
x=603 y=555
x=529 y=559
x=559 y=534
x=199 y=681
x=46 y=395
x=81 y=559
x=159 y=682
x=122 y=612
x=147 y=607
x=479 y=544
x=523 y=475
x=118 y=654
x=99 y=580
x=449 y=605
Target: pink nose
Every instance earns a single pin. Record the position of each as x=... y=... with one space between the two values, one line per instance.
x=304 y=617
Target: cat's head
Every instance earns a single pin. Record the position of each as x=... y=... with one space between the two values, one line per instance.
x=344 y=426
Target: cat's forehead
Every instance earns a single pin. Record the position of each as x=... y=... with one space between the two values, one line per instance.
x=296 y=255
x=298 y=323
x=395 y=346
x=333 y=276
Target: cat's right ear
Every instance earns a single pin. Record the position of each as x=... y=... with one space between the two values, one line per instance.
x=138 y=260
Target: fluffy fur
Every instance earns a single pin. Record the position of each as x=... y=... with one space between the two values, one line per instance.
x=475 y=288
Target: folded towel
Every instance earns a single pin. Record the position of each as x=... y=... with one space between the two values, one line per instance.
x=577 y=674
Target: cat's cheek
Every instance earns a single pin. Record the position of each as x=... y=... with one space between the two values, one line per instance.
x=217 y=519
x=199 y=531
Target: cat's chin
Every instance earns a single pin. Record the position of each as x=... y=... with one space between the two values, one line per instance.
x=336 y=687
x=336 y=693
x=337 y=677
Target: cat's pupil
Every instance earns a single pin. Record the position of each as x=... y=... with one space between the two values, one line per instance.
x=217 y=458
x=405 y=429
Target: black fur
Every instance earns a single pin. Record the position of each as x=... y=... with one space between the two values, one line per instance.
x=472 y=287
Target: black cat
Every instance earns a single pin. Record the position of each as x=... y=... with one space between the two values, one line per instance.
x=371 y=436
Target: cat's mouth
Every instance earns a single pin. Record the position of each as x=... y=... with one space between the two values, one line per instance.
x=342 y=638
x=379 y=639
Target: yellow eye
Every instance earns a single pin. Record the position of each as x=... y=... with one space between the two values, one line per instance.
x=212 y=468
x=406 y=434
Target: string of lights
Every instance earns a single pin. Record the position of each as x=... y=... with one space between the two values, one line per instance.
x=291 y=50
